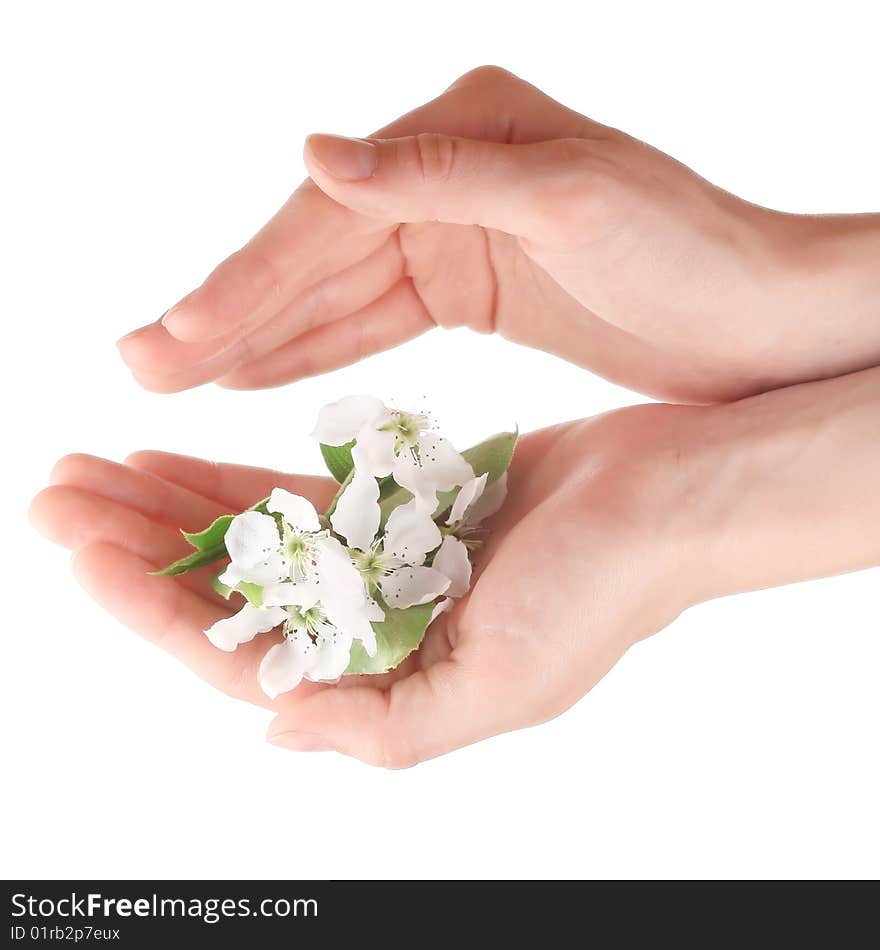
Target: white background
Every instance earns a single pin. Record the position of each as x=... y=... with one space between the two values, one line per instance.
x=145 y=142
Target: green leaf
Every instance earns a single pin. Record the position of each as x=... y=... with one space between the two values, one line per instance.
x=211 y=536
x=387 y=487
x=252 y=592
x=209 y=545
x=492 y=457
x=396 y=637
x=338 y=459
x=193 y=561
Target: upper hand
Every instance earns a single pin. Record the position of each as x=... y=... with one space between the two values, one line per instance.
x=497 y=208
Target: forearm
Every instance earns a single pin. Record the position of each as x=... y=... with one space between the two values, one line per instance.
x=789 y=485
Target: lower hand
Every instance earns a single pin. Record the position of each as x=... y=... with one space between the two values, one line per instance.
x=612 y=527
x=571 y=574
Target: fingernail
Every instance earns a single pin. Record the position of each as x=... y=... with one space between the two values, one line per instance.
x=177 y=322
x=134 y=333
x=169 y=318
x=301 y=742
x=345 y=159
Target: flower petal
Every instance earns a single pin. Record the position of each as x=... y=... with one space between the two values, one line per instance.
x=251 y=537
x=302 y=594
x=470 y=493
x=357 y=513
x=410 y=532
x=357 y=622
x=339 y=422
x=409 y=586
x=374 y=451
x=453 y=562
x=373 y=613
x=341 y=585
x=441 y=607
x=297 y=511
x=231 y=576
x=226 y=634
x=285 y=664
x=489 y=502
x=274 y=569
x=438 y=467
x=332 y=656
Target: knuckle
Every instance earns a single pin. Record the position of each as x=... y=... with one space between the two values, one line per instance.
x=395 y=754
x=264 y=277
x=487 y=75
x=316 y=301
x=548 y=707
x=238 y=681
x=242 y=352
x=579 y=188
x=245 y=278
x=434 y=155
x=360 y=349
x=574 y=152
x=491 y=98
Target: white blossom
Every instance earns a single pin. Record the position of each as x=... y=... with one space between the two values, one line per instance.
x=226 y=634
x=314 y=647
x=453 y=561
x=394 y=442
x=310 y=586
x=260 y=555
x=324 y=595
x=393 y=562
x=476 y=501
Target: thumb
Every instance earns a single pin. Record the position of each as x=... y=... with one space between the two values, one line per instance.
x=435 y=177
x=450 y=704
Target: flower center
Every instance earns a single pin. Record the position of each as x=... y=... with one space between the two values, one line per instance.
x=470 y=535
x=299 y=548
x=407 y=428
x=373 y=565
x=313 y=622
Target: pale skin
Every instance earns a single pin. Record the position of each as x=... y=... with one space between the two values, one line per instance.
x=487 y=206
x=497 y=208
x=613 y=526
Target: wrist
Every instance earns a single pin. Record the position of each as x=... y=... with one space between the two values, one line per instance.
x=783 y=485
x=825 y=293
x=648 y=480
